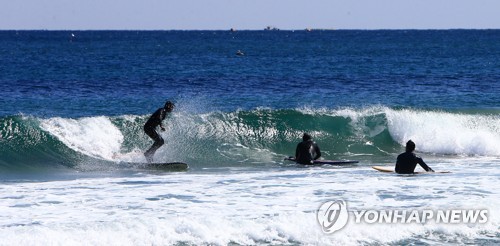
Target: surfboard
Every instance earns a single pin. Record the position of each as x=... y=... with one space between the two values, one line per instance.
x=326 y=162
x=387 y=169
x=169 y=166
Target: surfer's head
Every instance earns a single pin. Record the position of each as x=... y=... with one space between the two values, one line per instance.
x=306 y=137
x=410 y=146
x=169 y=106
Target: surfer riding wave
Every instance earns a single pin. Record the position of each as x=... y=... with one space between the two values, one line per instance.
x=154 y=121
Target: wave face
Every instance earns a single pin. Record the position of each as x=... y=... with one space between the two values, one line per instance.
x=242 y=138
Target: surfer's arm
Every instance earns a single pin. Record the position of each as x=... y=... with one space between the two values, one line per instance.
x=397 y=168
x=423 y=165
x=161 y=126
x=318 y=152
x=161 y=117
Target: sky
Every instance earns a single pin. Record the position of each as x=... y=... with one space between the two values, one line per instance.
x=247 y=14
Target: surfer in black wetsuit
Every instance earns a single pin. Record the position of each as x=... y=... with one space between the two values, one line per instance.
x=307 y=151
x=407 y=161
x=150 y=129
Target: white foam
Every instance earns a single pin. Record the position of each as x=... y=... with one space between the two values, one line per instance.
x=272 y=206
x=434 y=131
x=446 y=133
x=94 y=136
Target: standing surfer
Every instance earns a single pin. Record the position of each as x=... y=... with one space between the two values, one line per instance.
x=407 y=161
x=307 y=151
x=150 y=129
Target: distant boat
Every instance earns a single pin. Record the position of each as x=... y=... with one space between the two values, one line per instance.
x=240 y=53
x=271 y=28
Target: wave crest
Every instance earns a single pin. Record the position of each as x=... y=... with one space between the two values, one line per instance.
x=249 y=137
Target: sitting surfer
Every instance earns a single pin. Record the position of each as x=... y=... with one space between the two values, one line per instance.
x=407 y=161
x=307 y=151
x=150 y=129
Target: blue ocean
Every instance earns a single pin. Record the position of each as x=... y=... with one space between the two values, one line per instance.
x=73 y=105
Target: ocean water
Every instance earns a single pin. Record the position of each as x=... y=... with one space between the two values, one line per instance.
x=73 y=103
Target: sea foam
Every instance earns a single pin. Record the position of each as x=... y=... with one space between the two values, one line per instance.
x=93 y=136
x=446 y=133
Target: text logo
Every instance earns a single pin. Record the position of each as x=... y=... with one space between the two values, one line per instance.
x=454 y=216
x=332 y=216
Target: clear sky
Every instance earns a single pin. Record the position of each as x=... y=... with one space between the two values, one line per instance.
x=247 y=14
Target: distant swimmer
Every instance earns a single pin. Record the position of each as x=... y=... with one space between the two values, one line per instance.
x=307 y=151
x=407 y=161
x=150 y=129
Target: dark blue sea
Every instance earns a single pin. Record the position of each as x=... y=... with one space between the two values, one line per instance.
x=73 y=105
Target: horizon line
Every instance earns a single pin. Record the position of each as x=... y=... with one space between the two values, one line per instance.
x=263 y=29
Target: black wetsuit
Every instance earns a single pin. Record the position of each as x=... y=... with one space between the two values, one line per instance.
x=306 y=152
x=150 y=129
x=407 y=162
